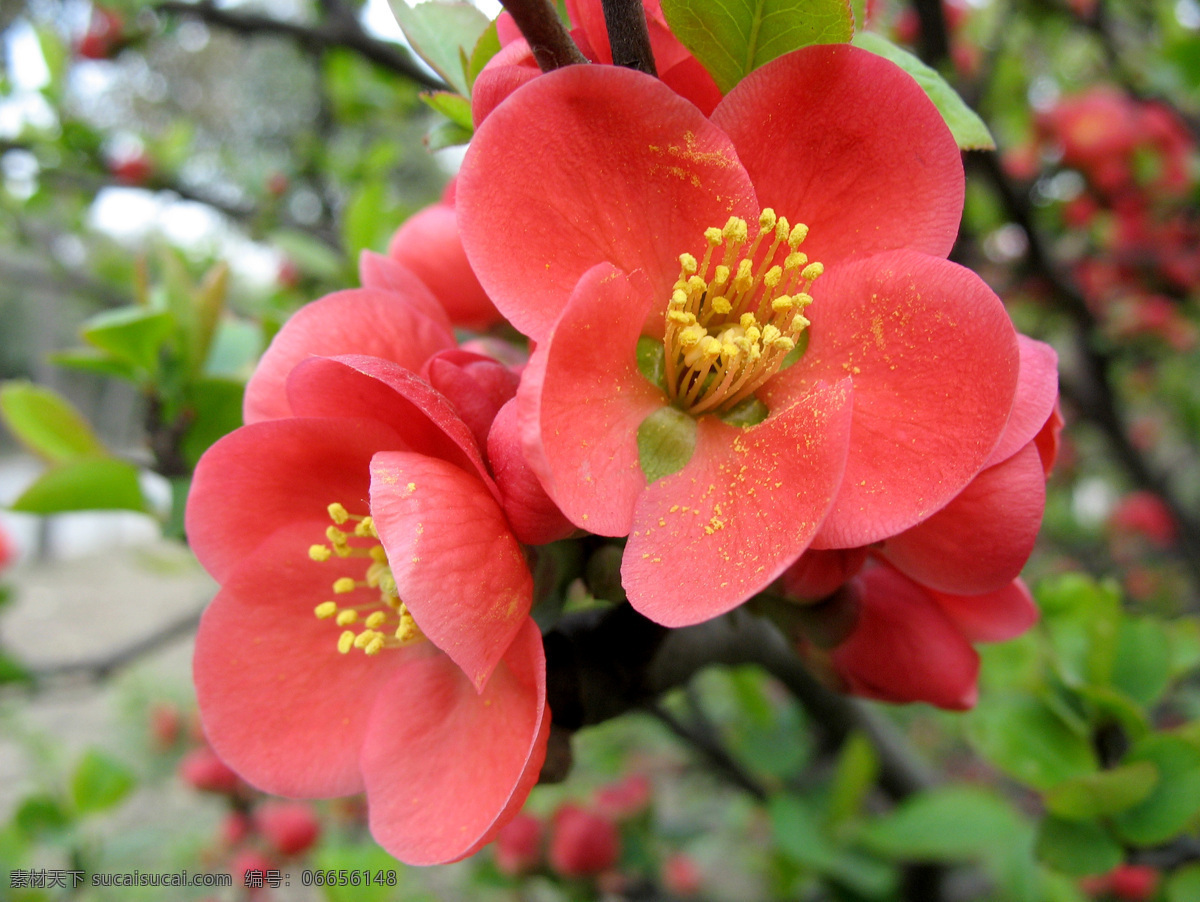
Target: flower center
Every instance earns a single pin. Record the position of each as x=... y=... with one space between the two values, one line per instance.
x=384 y=620
x=731 y=324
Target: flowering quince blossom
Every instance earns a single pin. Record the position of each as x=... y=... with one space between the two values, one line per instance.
x=390 y=649
x=679 y=268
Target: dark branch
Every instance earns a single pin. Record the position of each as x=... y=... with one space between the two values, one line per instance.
x=342 y=31
x=708 y=746
x=628 y=36
x=548 y=39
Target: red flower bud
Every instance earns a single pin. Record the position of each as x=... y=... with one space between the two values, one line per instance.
x=518 y=845
x=290 y=827
x=202 y=769
x=584 y=842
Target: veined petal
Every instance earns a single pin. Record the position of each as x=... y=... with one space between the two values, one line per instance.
x=747 y=504
x=979 y=541
x=357 y=321
x=266 y=475
x=582 y=399
x=444 y=765
x=934 y=359
x=280 y=705
x=993 y=616
x=456 y=563
x=611 y=185
x=847 y=142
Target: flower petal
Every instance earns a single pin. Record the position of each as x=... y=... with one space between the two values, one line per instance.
x=1037 y=395
x=993 y=616
x=904 y=648
x=582 y=399
x=627 y=172
x=279 y=704
x=429 y=244
x=747 y=504
x=934 y=360
x=475 y=384
x=358 y=321
x=979 y=541
x=457 y=566
x=369 y=386
x=848 y=143
x=534 y=517
x=445 y=766
x=385 y=274
x=273 y=473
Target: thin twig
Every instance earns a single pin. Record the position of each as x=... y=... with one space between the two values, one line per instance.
x=547 y=36
x=708 y=746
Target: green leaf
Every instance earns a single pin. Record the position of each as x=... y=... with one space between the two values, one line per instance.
x=442 y=33
x=12 y=670
x=968 y=129
x=1184 y=885
x=732 y=38
x=235 y=349
x=364 y=223
x=40 y=815
x=1029 y=742
x=951 y=823
x=216 y=406
x=857 y=768
x=446 y=134
x=88 y=483
x=359 y=859
x=799 y=838
x=453 y=106
x=1185 y=646
x=1077 y=848
x=1175 y=800
x=1142 y=668
x=486 y=47
x=91 y=360
x=1081 y=617
x=1104 y=793
x=134 y=335
x=312 y=256
x=99 y=782
x=47 y=423
x=666 y=441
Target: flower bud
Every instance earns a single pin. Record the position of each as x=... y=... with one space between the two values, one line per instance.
x=583 y=843
x=291 y=828
x=518 y=846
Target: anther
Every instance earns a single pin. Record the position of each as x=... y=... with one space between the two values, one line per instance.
x=345 y=642
x=344 y=585
x=376 y=620
x=812 y=271
x=319 y=552
x=347 y=617
x=325 y=610
x=338 y=514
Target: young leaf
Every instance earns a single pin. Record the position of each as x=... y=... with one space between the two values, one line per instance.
x=1077 y=848
x=442 y=33
x=966 y=126
x=130 y=334
x=1175 y=799
x=99 y=782
x=1023 y=737
x=86 y=483
x=453 y=106
x=1104 y=793
x=486 y=47
x=733 y=38
x=951 y=823
x=47 y=423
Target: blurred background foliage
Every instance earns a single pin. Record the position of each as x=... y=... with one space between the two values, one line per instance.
x=177 y=177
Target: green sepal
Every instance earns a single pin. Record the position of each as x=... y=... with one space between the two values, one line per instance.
x=652 y=361
x=746 y=413
x=666 y=441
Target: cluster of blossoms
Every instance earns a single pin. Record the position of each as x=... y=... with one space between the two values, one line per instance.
x=1136 y=243
x=749 y=362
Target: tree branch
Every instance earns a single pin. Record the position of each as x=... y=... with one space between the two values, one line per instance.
x=548 y=38
x=628 y=35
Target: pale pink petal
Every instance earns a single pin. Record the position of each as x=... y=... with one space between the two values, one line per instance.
x=582 y=399
x=358 y=321
x=561 y=177
x=979 y=541
x=848 y=143
x=457 y=566
x=445 y=766
x=747 y=504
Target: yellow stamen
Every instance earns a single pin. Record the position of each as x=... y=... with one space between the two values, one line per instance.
x=347 y=617
x=344 y=585
x=325 y=610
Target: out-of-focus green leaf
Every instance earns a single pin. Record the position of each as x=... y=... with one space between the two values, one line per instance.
x=1184 y=636
x=99 y=782
x=857 y=768
x=968 y=129
x=952 y=823
x=91 y=360
x=1029 y=742
x=216 y=406
x=47 y=423
x=442 y=33
x=311 y=255
x=364 y=222
x=485 y=48
x=211 y=297
x=41 y=815
x=86 y=483
x=235 y=349
x=1184 y=884
x=446 y=134
x=1077 y=848
x=1142 y=669
x=358 y=859
x=132 y=334
x=12 y=670
x=1175 y=800
x=798 y=836
x=1082 y=618
x=734 y=37
x=1108 y=704
x=453 y=106
x=1103 y=793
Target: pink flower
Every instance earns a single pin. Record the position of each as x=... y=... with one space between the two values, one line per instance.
x=389 y=650
x=582 y=843
x=666 y=244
